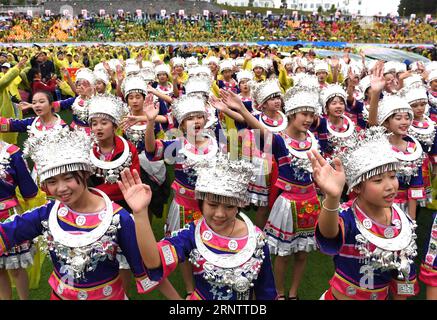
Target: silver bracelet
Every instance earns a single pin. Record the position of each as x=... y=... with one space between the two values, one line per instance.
x=327 y=209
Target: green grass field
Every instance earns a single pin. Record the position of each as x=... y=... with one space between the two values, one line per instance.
x=318 y=271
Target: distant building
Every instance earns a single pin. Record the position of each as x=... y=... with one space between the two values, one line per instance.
x=355 y=7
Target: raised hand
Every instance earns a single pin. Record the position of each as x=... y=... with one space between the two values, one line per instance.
x=151 y=110
x=217 y=103
x=129 y=121
x=335 y=62
x=22 y=62
x=353 y=82
x=232 y=100
x=405 y=74
x=330 y=180
x=377 y=80
x=25 y=105
x=135 y=193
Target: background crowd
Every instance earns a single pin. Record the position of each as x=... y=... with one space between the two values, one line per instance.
x=21 y=28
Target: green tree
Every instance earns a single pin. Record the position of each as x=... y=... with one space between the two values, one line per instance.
x=320 y=10
x=333 y=9
x=419 y=7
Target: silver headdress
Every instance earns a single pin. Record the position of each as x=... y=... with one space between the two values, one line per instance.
x=188 y=105
x=363 y=86
x=227 y=64
x=432 y=76
x=99 y=67
x=134 y=83
x=148 y=74
x=239 y=61
x=191 y=62
x=262 y=91
x=101 y=75
x=199 y=71
x=414 y=93
x=303 y=96
x=162 y=68
x=287 y=60
x=369 y=154
x=390 y=105
x=131 y=69
x=431 y=66
x=320 y=66
x=211 y=59
x=147 y=65
x=299 y=63
x=86 y=74
x=107 y=106
x=198 y=84
x=113 y=63
x=259 y=62
x=332 y=90
x=224 y=180
x=400 y=67
x=245 y=75
x=59 y=151
x=355 y=68
x=389 y=67
x=178 y=61
x=413 y=80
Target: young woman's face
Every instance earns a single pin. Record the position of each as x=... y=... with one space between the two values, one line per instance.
x=102 y=128
x=179 y=69
x=391 y=82
x=419 y=108
x=162 y=77
x=380 y=190
x=258 y=71
x=193 y=124
x=220 y=217
x=336 y=107
x=65 y=188
x=300 y=70
x=100 y=86
x=40 y=104
x=213 y=67
x=399 y=123
x=302 y=121
x=433 y=85
x=321 y=76
x=227 y=74
x=135 y=101
x=244 y=86
x=273 y=104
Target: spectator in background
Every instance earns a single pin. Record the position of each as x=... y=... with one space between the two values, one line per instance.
x=46 y=67
x=37 y=83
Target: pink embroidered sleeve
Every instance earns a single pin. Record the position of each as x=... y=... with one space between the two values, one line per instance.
x=169 y=257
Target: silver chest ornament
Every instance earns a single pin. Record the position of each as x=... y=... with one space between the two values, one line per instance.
x=410 y=162
x=135 y=134
x=394 y=253
x=299 y=159
x=339 y=140
x=426 y=136
x=236 y=271
x=110 y=170
x=81 y=253
x=5 y=159
x=80 y=109
x=432 y=100
x=190 y=159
